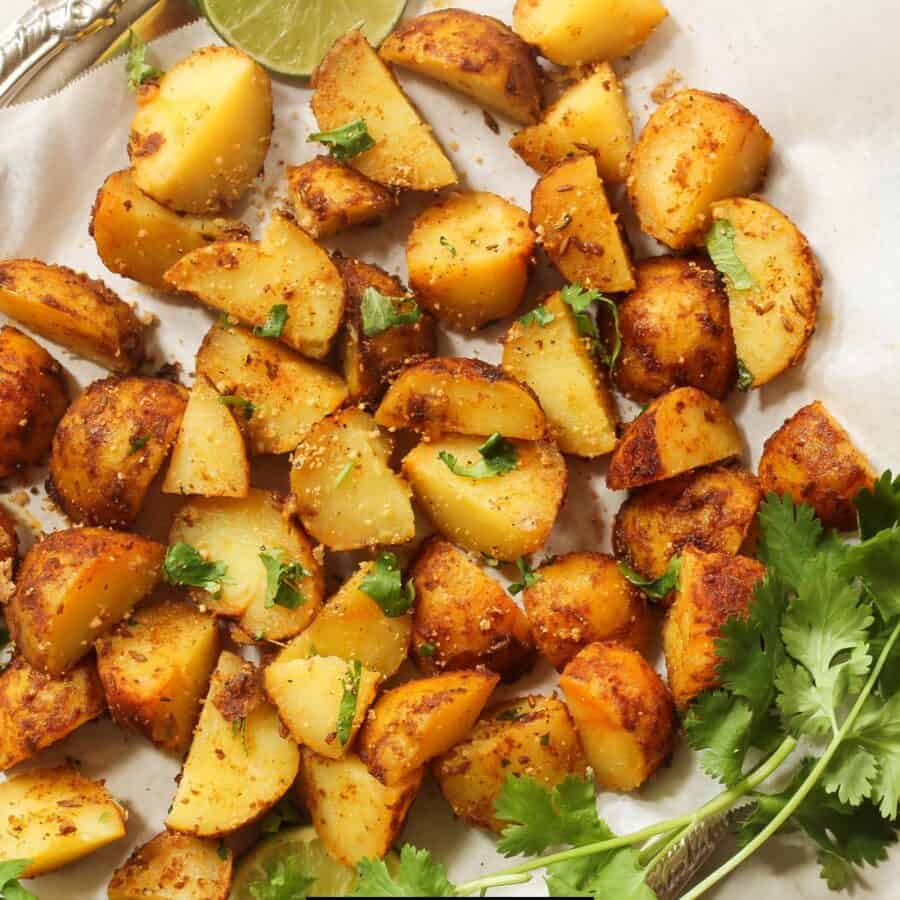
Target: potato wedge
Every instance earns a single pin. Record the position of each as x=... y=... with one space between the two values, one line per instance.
x=286 y=392
x=813 y=460
x=474 y=54
x=623 y=713
x=78 y=313
x=679 y=431
x=200 y=135
x=239 y=764
x=247 y=281
x=469 y=255
x=73 y=585
x=696 y=149
x=527 y=736
x=9 y=545
x=506 y=516
x=461 y=396
x=591 y=115
x=110 y=445
x=463 y=617
x=576 y=227
x=774 y=322
x=557 y=363
x=52 y=817
x=420 y=720
x=346 y=493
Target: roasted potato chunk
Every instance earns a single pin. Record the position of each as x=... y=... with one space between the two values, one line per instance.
x=474 y=54
x=469 y=256
x=528 y=736
x=353 y=83
x=463 y=617
x=577 y=229
x=200 y=135
x=73 y=585
x=623 y=712
x=9 y=544
x=78 y=313
x=696 y=149
x=462 y=396
x=677 y=432
x=505 y=516
x=346 y=493
x=813 y=460
x=110 y=445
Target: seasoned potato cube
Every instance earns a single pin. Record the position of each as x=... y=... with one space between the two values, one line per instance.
x=528 y=736
x=696 y=149
x=505 y=516
x=110 y=445
x=73 y=585
x=346 y=493
x=354 y=814
x=623 y=713
x=477 y=55
x=677 y=432
x=581 y=598
x=463 y=396
x=813 y=460
x=577 y=229
x=463 y=617
x=590 y=115
x=421 y=719
x=155 y=669
x=51 y=817
x=239 y=764
x=78 y=313
x=774 y=321
x=199 y=136
x=712 y=588
x=557 y=363
x=9 y=544
x=286 y=392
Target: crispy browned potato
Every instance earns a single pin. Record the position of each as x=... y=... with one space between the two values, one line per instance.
x=677 y=432
x=712 y=588
x=9 y=544
x=78 y=313
x=37 y=710
x=463 y=617
x=477 y=55
x=623 y=712
x=675 y=331
x=712 y=509
x=813 y=460
x=529 y=736
x=110 y=445
x=33 y=398
x=581 y=598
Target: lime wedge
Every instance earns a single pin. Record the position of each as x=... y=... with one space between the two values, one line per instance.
x=292 y=36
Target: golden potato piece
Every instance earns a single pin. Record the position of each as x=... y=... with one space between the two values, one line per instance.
x=9 y=544
x=529 y=736
x=73 y=585
x=623 y=712
x=578 y=230
x=469 y=255
x=463 y=617
x=110 y=445
x=696 y=149
x=78 y=313
x=200 y=135
x=420 y=720
x=813 y=460
x=677 y=432
x=353 y=83
x=505 y=516
x=474 y=54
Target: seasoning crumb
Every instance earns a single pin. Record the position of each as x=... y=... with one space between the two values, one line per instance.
x=667 y=86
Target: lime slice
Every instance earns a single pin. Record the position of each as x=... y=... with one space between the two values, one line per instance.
x=292 y=36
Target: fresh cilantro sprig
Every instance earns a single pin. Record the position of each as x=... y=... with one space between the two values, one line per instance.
x=282 y=580
x=185 y=565
x=745 y=377
x=349 y=700
x=137 y=443
x=137 y=69
x=879 y=508
x=416 y=875
x=580 y=300
x=527 y=577
x=720 y=247
x=380 y=312
x=498 y=456
x=10 y=889
x=540 y=315
x=347 y=141
x=384 y=584
x=273 y=327
x=657 y=588
x=245 y=406
x=285 y=878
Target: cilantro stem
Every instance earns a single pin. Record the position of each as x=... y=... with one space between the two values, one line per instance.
x=657 y=849
x=492 y=881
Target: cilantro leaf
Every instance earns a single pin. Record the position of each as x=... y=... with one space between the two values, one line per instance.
x=529 y=577
x=745 y=376
x=285 y=879
x=273 y=327
x=136 y=444
x=282 y=580
x=246 y=407
x=446 y=243
x=540 y=315
x=657 y=588
x=789 y=537
x=498 y=456
x=876 y=563
x=137 y=69
x=580 y=300
x=347 y=141
x=384 y=584
x=10 y=870
x=284 y=813
x=416 y=875
x=347 y=709
x=718 y=727
x=617 y=874
x=879 y=508
x=380 y=312
x=185 y=565
x=720 y=247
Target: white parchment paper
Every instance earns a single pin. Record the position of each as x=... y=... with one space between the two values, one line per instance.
x=823 y=77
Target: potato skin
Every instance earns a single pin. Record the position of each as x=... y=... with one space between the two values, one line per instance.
x=9 y=543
